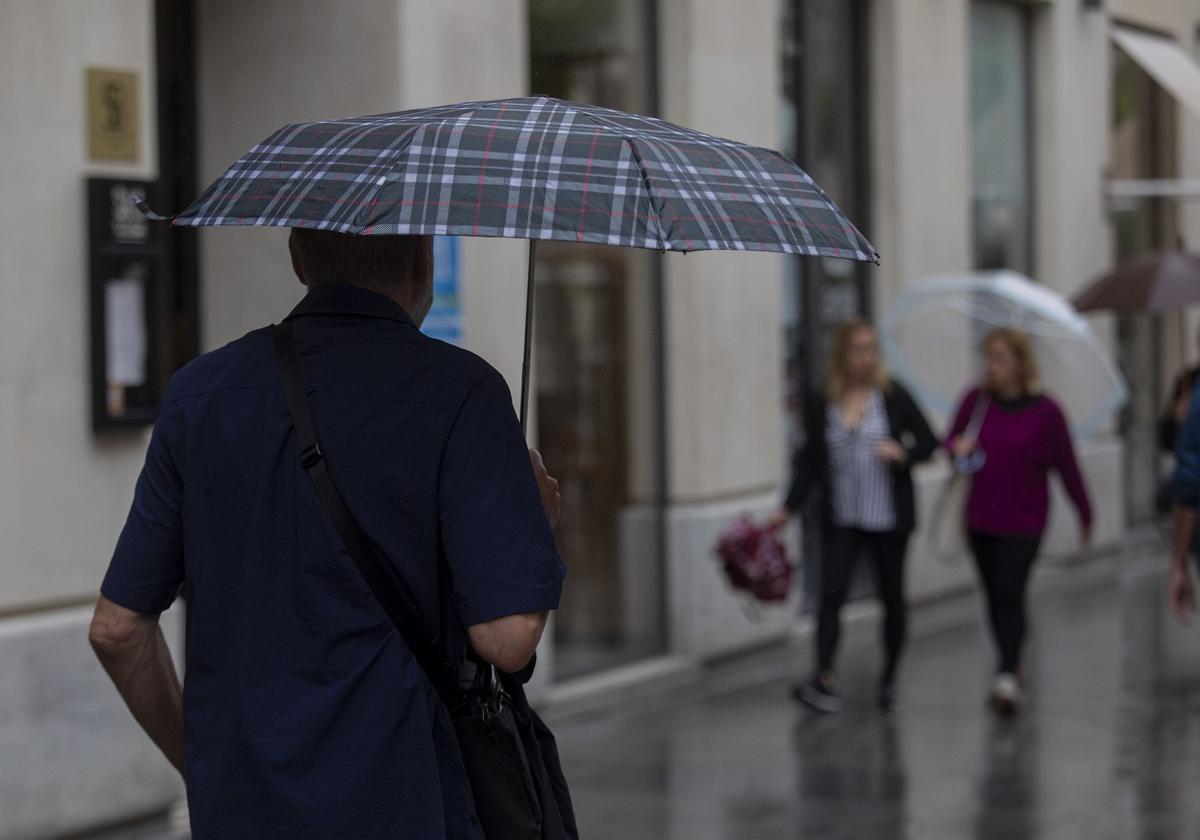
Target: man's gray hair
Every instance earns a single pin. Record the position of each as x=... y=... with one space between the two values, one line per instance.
x=380 y=263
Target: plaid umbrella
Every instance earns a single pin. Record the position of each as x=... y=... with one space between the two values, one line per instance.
x=531 y=168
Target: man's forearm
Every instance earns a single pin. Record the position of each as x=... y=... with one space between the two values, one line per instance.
x=140 y=666
x=1185 y=529
x=509 y=642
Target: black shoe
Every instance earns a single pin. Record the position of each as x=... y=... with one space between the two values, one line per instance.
x=818 y=695
x=888 y=698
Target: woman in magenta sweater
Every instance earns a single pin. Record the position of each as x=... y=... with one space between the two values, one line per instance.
x=1009 y=436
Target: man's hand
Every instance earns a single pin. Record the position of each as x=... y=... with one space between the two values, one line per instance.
x=1181 y=593
x=548 y=487
x=891 y=452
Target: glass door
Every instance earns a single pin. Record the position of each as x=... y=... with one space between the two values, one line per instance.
x=599 y=401
x=1143 y=138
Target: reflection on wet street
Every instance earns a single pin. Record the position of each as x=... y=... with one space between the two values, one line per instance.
x=1109 y=746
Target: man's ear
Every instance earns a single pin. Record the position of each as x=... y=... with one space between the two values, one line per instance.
x=295 y=258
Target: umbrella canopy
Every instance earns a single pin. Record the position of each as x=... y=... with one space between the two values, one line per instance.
x=1153 y=283
x=530 y=168
x=931 y=339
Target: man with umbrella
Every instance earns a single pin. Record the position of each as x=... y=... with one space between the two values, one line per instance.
x=324 y=734
x=1157 y=283
x=305 y=714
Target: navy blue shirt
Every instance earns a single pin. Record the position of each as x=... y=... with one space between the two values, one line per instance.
x=1187 y=462
x=305 y=715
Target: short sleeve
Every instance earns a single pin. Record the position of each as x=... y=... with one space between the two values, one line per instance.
x=497 y=540
x=146 y=570
x=1187 y=456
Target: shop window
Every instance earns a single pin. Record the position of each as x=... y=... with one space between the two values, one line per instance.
x=1000 y=136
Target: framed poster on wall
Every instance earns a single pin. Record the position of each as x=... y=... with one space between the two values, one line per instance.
x=125 y=274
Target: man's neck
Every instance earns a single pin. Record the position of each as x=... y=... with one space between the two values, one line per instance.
x=396 y=296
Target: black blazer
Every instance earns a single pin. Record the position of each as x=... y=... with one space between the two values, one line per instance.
x=810 y=463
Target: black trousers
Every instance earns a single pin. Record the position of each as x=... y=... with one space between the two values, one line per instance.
x=1004 y=564
x=838 y=559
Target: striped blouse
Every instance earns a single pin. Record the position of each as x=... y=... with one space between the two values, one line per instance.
x=862 y=481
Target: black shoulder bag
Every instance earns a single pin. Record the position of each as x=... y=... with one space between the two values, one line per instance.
x=509 y=753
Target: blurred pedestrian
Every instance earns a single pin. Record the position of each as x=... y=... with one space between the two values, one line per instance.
x=864 y=435
x=1022 y=436
x=1186 y=543
x=305 y=713
x=1176 y=409
x=1169 y=423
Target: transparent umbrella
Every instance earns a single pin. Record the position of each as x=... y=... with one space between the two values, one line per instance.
x=931 y=339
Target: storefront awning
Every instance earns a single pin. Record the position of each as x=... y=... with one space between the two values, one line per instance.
x=1176 y=72
x=1165 y=61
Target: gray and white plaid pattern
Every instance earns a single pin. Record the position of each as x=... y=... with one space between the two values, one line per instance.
x=531 y=168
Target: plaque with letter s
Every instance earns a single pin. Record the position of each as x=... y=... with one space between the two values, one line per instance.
x=126 y=265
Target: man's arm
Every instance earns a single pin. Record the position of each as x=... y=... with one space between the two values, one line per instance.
x=497 y=508
x=133 y=651
x=1181 y=592
x=510 y=642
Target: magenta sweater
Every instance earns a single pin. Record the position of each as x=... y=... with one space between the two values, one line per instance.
x=1010 y=495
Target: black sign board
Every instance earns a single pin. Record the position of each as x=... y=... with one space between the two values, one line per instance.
x=125 y=275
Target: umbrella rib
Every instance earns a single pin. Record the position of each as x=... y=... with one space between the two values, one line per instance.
x=656 y=214
x=615 y=128
x=862 y=247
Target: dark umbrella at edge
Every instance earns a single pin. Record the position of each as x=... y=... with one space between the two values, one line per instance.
x=1151 y=283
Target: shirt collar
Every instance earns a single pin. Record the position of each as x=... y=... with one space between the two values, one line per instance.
x=347 y=299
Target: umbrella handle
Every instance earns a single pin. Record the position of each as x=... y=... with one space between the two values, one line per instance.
x=528 y=338
x=141 y=205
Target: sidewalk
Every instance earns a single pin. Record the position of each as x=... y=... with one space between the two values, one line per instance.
x=1109 y=748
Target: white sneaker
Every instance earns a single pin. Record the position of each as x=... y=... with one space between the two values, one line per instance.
x=818 y=695
x=1007 y=694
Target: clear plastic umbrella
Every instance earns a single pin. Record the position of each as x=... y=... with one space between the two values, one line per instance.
x=931 y=338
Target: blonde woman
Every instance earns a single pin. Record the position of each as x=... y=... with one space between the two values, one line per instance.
x=1021 y=437
x=864 y=434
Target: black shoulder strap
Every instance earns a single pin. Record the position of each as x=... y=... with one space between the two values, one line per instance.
x=399 y=606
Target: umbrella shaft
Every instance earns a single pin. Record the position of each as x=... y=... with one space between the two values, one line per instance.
x=528 y=338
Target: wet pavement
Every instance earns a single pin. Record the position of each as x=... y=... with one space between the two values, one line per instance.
x=1108 y=748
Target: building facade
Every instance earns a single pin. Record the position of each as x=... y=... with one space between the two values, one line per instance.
x=959 y=134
